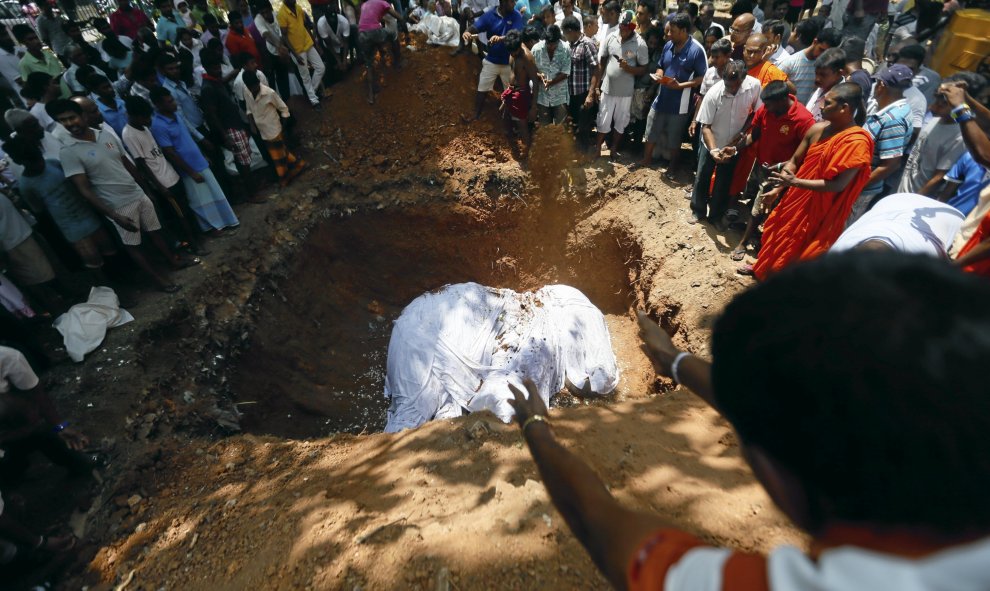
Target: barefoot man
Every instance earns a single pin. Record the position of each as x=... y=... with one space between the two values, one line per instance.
x=518 y=101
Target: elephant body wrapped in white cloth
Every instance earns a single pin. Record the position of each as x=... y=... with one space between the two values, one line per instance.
x=458 y=348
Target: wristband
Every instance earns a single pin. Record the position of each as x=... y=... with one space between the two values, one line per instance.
x=963 y=117
x=962 y=107
x=534 y=419
x=60 y=427
x=673 y=366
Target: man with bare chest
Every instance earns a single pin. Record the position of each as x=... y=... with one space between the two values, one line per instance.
x=519 y=100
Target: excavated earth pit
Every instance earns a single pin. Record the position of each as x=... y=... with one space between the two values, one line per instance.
x=316 y=362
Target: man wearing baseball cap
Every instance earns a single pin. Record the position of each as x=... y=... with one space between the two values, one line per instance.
x=621 y=58
x=888 y=120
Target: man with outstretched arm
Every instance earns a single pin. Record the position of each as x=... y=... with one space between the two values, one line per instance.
x=850 y=445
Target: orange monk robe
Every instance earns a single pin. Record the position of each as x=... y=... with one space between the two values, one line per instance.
x=806 y=223
x=765 y=73
x=982 y=233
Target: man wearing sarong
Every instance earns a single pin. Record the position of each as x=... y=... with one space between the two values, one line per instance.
x=206 y=199
x=267 y=111
x=819 y=184
x=518 y=100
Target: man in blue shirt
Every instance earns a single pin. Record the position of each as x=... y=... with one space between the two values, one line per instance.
x=110 y=105
x=496 y=22
x=168 y=23
x=682 y=67
x=963 y=184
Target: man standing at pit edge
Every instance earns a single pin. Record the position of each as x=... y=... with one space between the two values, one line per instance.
x=621 y=58
x=496 y=22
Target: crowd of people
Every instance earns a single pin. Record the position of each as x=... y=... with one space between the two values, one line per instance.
x=795 y=126
x=807 y=129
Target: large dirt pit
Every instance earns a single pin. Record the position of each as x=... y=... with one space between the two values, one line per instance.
x=316 y=363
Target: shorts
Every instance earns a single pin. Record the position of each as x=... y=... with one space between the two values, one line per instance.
x=613 y=113
x=28 y=264
x=142 y=213
x=666 y=130
x=489 y=72
x=369 y=42
x=518 y=101
x=91 y=249
x=241 y=142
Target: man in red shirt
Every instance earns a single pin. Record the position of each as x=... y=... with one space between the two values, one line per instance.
x=126 y=20
x=781 y=123
x=238 y=39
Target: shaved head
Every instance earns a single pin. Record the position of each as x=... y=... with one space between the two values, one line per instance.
x=741 y=28
x=755 y=50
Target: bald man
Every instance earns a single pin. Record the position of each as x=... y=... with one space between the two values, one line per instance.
x=756 y=52
x=739 y=32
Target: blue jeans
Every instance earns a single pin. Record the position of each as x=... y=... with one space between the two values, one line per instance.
x=711 y=203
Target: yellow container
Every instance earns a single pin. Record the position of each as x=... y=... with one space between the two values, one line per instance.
x=965 y=42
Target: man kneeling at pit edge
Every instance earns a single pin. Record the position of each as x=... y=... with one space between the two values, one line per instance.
x=866 y=424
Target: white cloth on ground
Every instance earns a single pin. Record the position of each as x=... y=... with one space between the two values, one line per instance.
x=84 y=326
x=460 y=347
x=907 y=222
x=439 y=30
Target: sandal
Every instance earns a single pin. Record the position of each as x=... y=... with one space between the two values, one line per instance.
x=186 y=263
x=738 y=254
x=746 y=270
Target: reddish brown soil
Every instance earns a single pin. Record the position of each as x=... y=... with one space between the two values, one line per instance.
x=284 y=315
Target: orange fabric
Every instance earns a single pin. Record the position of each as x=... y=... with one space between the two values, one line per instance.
x=982 y=233
x=767 y=73
x=806 y=223
x=745 y=572
x=655 y=556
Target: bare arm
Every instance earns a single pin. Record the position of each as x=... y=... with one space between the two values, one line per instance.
x=948 y=191
x=928 y=189
x=150 y=178
x=887 y=167
x=708 y=137
x=609 y=532
x=980 y=252
x=85 y=188
x=179 y=162
x=786 y=178
x=976 y=140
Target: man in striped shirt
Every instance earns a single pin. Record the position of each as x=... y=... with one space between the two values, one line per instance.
x=888 y=120
x=800 y=67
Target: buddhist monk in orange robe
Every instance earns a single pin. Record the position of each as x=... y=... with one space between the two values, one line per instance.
x=819 y=184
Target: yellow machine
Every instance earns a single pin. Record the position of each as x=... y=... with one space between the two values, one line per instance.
x=964 y=43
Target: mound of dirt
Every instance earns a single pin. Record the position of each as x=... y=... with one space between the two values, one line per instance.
x=282 y=331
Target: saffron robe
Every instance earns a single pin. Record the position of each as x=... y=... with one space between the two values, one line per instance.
x=806 y=223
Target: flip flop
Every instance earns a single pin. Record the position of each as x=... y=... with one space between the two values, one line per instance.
x=738 y=255
x=186 y=263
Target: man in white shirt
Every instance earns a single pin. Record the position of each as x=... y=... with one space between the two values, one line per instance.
x=10 y=75
x=334 y=31
x=724 y=114
x=905 y=222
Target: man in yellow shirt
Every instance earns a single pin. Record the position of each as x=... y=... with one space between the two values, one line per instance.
x=297 y=30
